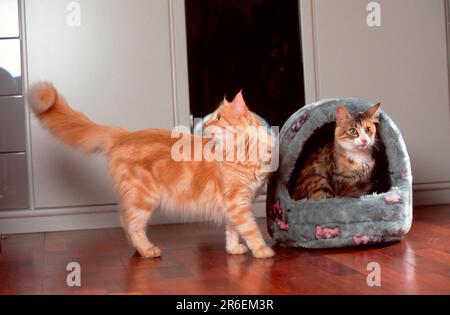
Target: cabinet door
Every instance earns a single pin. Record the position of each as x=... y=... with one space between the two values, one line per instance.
x=13 y=181
x=111 y=61
x=12 y=124
x=402 y=63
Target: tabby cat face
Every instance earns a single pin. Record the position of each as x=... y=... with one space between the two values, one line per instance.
x=356 y=133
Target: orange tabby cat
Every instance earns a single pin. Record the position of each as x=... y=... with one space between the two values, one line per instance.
x=147 y=176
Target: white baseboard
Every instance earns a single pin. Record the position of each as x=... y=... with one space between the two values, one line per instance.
x=431 y=194
x=82 y=218
x=98 y=217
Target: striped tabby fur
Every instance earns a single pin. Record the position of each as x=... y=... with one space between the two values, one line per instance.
x=344 y=167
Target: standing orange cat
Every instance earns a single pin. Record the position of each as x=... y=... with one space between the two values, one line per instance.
x=147 y=176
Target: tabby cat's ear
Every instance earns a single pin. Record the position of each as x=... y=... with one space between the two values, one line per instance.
x=342 y=115
x=373 y=113
x=239 y=105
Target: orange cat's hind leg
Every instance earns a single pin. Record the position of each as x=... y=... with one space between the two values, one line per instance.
x=242 y=220
x=233 y=245
x=135 y=216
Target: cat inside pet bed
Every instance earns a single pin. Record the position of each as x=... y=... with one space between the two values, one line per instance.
x=345 y=158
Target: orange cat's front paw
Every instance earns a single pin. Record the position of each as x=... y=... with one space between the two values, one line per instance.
x=151 y=252
x=239 y=249
x=264 y=252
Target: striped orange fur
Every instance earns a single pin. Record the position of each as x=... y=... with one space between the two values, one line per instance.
x=147 y=177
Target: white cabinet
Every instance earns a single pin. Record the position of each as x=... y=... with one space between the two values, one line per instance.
x=402 y=63
x=115 y=67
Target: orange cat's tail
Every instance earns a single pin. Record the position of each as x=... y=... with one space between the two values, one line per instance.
x=72 y=127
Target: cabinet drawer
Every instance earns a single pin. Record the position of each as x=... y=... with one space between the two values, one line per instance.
x=13 y=181
x=9 y=18
x=10 y=67
x=12 y=124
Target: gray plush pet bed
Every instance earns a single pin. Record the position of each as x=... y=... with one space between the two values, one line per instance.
x=384 y=215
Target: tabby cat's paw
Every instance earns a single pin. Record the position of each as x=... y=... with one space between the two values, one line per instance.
x=239 y=249
x=151 y=252
x=264 y=252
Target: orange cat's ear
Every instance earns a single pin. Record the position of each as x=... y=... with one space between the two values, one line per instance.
x=374 y=112
x=238 y=105
x=342 y=115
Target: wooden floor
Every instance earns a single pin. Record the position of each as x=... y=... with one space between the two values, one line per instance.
x=194 y=262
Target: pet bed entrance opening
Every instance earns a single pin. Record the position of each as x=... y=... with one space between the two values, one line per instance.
x=324 y=135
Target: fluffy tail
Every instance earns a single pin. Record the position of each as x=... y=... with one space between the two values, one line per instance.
x=72 y=127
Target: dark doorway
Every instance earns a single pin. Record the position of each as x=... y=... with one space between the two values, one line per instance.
x=254 y=45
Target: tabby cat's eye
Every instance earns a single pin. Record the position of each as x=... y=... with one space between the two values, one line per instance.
x=368 y=129
x=218 y=116
x=352 y=132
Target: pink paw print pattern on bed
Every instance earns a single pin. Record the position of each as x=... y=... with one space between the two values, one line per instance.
x=284 y=226
x=391 y=199
x=299 y=124
x=363 y=239
x=326 y=233
x=278 y=215
x=405 y=173
x=276 y=210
